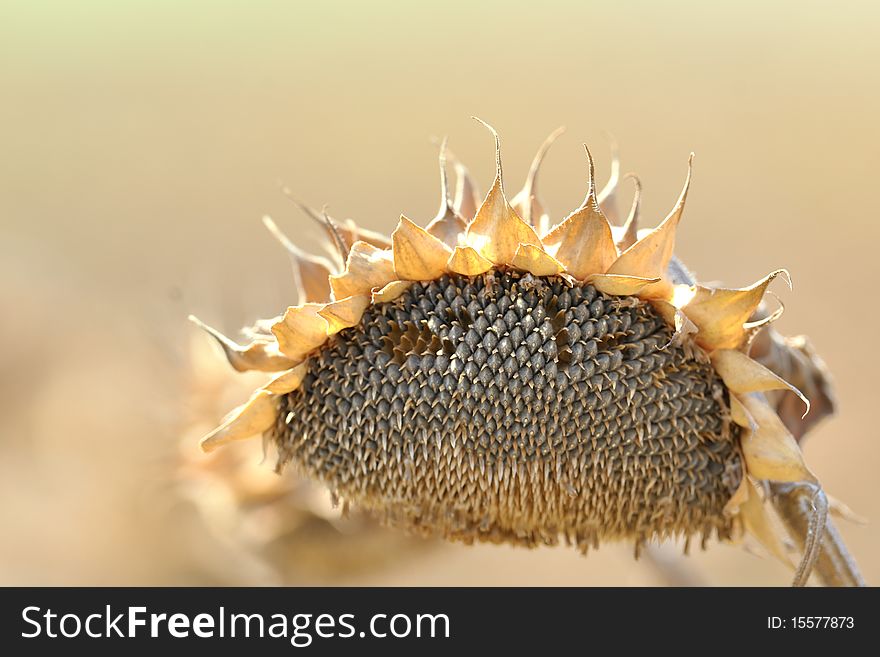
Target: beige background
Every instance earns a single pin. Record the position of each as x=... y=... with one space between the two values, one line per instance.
x=140 y=143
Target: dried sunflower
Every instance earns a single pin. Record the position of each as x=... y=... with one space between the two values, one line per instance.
x=492 y=377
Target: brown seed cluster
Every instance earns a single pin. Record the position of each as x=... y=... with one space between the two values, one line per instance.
x=511 y=408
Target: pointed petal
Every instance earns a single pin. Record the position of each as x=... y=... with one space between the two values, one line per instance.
x=287 y=381
x=310 y=273
x=742 y=374
x=254 y=417
x=608 y=196
x=617 y=285
x=347 y=230
x=391 y=291
x=629 y=233
x=497 y=231
x=536 y=261
x=300 y=331
x=353 y=232
x=650 y=256
x=259 y=355
x=770 y=451
x=344 y=313
x=466 y=199
x=367 y=267
x=526 y=202
x=467 y=261
x=753 y=328
x=760 y=525
x=418 y=255
x=447 y=226
x=583 y=242
x=721 y=313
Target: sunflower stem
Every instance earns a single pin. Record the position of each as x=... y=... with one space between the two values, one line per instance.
x=801 y=508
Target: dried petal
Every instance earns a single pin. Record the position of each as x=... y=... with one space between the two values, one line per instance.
x=467 y=261
x=391 y=291
x=300 y=330
x=497 y=231
x=760 y=525
x=418 y=255
x=344 y=313
x=259 y=355
x=367 y=267
x=742 y=374
x=536 y=261
x=629 y=232
x=287 y=381
x=526 y=202
x=254 y=417
x=583 y=242
x=618 y=285
x=607 y=198
x=650 y=256
x=310 y=273
x=676 y=318
x=770 y=451
x=721 y=313
x=467 y=197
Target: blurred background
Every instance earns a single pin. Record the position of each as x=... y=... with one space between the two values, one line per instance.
x=141 y=142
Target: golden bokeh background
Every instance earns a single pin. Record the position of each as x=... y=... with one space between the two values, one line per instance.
x=141 y=142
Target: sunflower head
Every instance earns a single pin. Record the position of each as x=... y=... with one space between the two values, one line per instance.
x=495 y=376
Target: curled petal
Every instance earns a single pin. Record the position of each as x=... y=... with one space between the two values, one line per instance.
x=367 y=267
x=287 y=381
x=466 y=198
x=391 y=291
x=650 y=256
x=721 y=313
x=467 y=261
x=617 y=285
x=526 y=202
x=344 y=313
x=254 y=417
x=536 y=261
x=310 y=273
x=300 y=331
x=259 y=355
x=417 y=255
x=449 y=228
x=629 y=232
x=742 y=374
x=770 y=451
x=608 y=196
x=353 y=233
